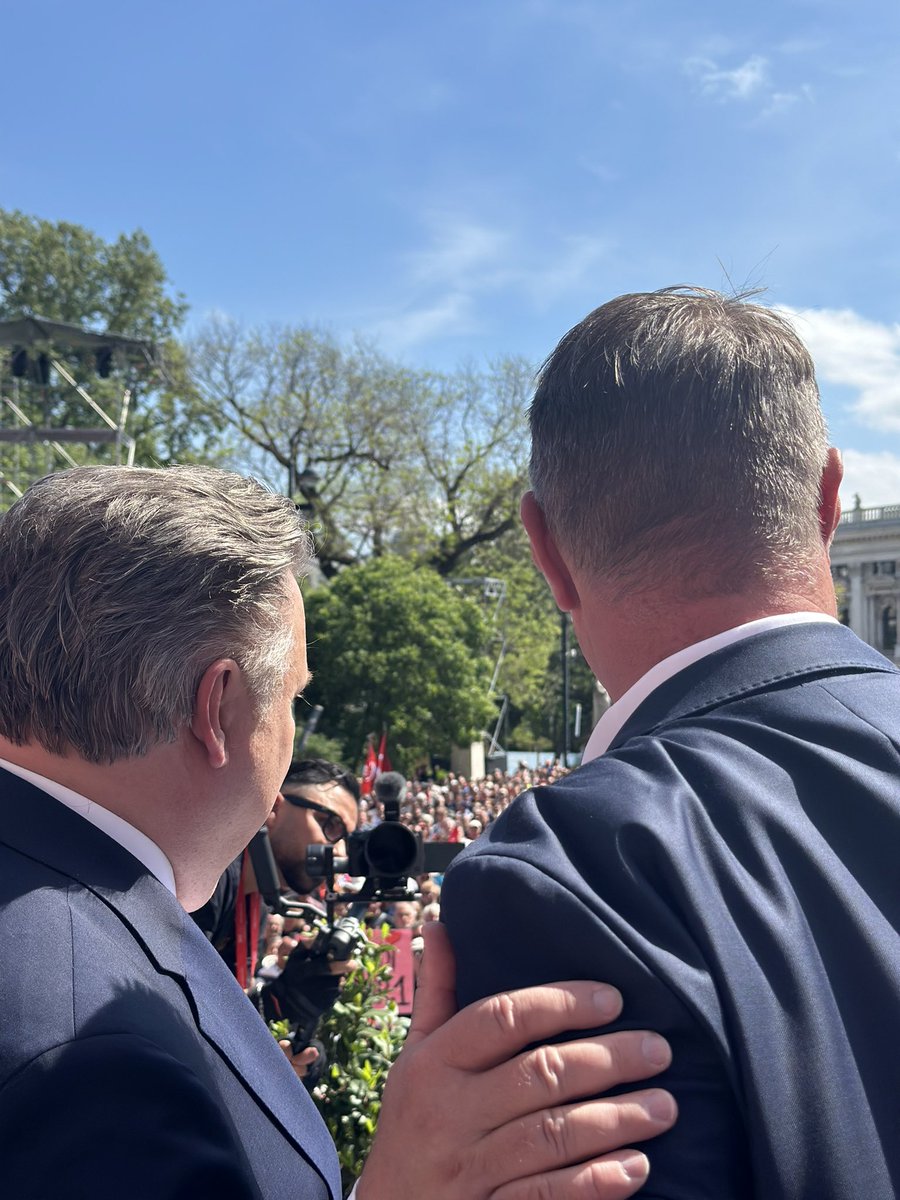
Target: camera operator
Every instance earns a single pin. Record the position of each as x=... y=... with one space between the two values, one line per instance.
x=318 y=805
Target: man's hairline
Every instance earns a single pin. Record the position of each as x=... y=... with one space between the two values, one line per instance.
x=291 y=789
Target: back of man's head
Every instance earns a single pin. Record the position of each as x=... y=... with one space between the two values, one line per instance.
x=677 y=438
x=119 y=586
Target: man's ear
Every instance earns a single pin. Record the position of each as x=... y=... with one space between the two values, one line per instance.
x=546 y=554
x=210 y=718
x=829 y=499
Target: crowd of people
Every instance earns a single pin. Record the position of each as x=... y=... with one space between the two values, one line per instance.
x=453 y=809
x=723 y=856
x=458 y=809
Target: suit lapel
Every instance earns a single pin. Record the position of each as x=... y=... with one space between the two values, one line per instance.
x=762 y=662
x=39 y=826
x=230 y=1022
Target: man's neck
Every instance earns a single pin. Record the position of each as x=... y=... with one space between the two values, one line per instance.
x=622 y=641
x=129 y=789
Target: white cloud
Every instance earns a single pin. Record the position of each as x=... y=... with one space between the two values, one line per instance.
x=450 y=315
x=477 y=258
x=464 y=263
x=875 y=478
x=780 y=102
x=563 y=270
x=740 y=83
x=750 y=81
x=854 y=352
x=459 y=251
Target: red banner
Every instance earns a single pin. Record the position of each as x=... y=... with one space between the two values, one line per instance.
x=383 y=763
x=370 y=770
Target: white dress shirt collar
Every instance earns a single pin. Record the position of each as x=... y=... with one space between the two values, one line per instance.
x=131 y=839
x=607 y=728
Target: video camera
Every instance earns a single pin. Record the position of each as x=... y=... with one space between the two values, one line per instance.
x=385 y=856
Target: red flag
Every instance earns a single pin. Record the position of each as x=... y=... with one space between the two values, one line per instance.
x=383 y=763
x=370 y=770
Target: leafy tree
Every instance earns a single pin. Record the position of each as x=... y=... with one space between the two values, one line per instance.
x=393 y=645
x=383 y=458
x=471 y=452
x=321 y=422
x=527 y=643
x=362 y=1033
x=64 y=272
x=67 y=273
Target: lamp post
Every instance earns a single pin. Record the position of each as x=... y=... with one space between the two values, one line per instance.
x=302 y=487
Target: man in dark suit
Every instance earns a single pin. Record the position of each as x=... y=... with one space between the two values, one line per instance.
x=727 y=853
x=152 y=643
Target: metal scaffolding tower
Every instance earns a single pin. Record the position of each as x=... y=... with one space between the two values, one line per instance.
x=33 y=363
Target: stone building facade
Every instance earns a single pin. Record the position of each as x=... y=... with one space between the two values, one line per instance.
x=865 y=566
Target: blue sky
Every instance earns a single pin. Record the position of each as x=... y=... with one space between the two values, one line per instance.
x=464 y=180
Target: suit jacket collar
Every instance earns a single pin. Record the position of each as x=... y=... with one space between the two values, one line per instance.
x=43 y=829
x=758 y=663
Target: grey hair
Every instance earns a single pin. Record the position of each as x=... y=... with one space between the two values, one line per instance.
x=119 y=586
x=677 y=437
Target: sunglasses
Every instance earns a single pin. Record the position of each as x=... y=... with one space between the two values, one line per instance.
x=333 y=828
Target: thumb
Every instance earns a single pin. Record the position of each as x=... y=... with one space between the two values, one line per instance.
x=435 y=1001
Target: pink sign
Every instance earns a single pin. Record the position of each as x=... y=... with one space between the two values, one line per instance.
x=403 y=980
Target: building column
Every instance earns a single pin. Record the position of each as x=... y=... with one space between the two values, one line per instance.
x=858 y=622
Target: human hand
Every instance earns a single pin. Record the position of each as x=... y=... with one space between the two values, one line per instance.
x=302 y=1061
x=467 y=1113
x=284 y=949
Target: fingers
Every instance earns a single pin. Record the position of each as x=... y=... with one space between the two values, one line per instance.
x=554 y=1074
x=343 y=966
x=542 y=1142
x=613 y=1177
x=490 y=1031
x=435 y=1000
x=302 y=1061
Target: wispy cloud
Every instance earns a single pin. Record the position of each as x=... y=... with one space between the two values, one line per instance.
x=852 y=351
x=456 y=275
x=459 y=252
x=451 y=315
x=750 y=81
x=738 y=83
x=483 y=258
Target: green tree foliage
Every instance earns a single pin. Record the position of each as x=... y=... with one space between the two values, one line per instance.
x=64 y=272
x=527 y=642
x=394 y=645
x=362 y=1033
x=526 y=637
x=67 y=273
x=321 y=422
x=383 y=458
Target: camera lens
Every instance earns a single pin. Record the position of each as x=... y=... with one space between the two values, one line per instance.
x=392 y=850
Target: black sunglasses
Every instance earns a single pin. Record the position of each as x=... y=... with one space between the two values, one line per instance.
x=329 y=822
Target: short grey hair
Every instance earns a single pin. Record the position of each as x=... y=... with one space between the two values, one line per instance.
x=678 y=434
x=119 y=586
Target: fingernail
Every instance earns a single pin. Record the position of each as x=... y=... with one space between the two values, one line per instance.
x=659 y=1105
x=655 y=1050
x=608 y=1001
x=636 y=1167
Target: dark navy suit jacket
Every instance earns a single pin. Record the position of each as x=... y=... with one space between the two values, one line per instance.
x=731 y=864
x=131 y=1063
